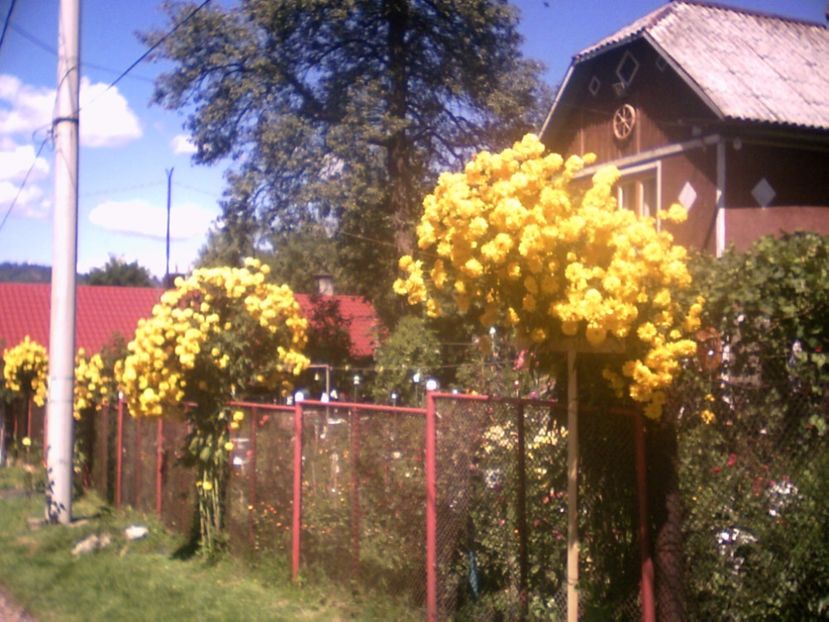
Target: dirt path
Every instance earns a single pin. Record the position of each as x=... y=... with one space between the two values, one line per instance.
x=10 y=611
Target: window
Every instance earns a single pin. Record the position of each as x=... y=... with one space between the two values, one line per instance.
x=639 y=193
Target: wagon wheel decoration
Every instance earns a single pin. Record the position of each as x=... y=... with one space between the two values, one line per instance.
x=623 y=121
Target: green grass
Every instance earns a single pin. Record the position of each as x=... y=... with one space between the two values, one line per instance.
x=145 y=580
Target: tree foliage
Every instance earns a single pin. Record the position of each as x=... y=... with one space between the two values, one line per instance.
x=344 y=111
x=412 y=348
x=121 y=273
x=754 y=465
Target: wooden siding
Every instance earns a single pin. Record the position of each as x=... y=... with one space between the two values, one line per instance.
x=668 y=111
x=797 y=175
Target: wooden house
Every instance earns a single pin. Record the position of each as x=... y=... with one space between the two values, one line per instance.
x=721 y=109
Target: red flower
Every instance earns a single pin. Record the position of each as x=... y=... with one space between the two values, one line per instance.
x=732 y=460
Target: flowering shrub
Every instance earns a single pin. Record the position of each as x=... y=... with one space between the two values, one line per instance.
x=222 y=332
x=91 y=383
x=26 y=370
x=509 y=241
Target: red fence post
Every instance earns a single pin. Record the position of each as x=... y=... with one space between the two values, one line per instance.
x=431 y=512
x=297 y=502
x=355 y=494
x=119 y=452
x=521 y=515
x=254 y=422
x=159 y=463
x=648 y=608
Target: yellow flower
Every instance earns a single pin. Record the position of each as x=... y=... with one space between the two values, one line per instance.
x=707 y=416
x=229 y=446
x=511 y=240
x=26 y=441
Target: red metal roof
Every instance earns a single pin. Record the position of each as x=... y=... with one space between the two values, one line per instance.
x=103 y=311
x=360 y=316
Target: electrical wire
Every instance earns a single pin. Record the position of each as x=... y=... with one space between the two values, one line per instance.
x=150 y=50
x=47 y=48
x=6 y=23
x=23 y=183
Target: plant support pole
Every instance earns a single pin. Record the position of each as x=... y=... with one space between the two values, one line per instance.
x=431 y=512
x=296 y=522
x=572 y=488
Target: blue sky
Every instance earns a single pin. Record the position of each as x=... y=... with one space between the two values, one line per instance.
x=127 y=145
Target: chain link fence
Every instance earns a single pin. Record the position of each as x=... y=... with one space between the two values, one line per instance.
x=754 y=479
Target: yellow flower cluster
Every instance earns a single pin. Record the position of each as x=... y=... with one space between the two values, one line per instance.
x=511 y=241
x=90 y=383
x=220 y=330
x=26 y=369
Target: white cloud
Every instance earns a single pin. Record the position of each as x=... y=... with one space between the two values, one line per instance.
x=27 y=108
x=31 y=202
x=106 y=117
x=182 y=145
x=142 y=218
x=15 y=161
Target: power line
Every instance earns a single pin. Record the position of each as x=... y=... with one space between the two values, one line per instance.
x=151 y=49
x=49 y=49
x=6 y=23
x=23 y=183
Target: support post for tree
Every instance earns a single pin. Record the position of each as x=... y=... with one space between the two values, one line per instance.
x=29 y=418
x=297 y=501
x=431 y=512
x=254 y=422
x=572 y=488
x=355 y=495
x=119 y=451
x=521 y=515
x=648 y=606
x=159 y=463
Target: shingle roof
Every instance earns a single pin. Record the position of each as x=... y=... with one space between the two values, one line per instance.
x=103 y=311
x=751 y=66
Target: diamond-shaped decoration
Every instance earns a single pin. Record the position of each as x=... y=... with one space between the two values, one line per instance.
x=594 y=85
x=763 y=193
x=687 y=195
x=627 y=68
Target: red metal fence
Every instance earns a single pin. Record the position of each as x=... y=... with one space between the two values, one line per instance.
x=456 y=510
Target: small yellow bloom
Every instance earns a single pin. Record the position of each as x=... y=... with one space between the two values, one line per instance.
x=707 y=416
x=27 y=442
x=229 y=446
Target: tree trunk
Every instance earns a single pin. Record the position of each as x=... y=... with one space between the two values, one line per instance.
x=666 y=511
x=396 y=13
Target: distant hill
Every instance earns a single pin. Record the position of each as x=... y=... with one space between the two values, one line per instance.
x=24 y=272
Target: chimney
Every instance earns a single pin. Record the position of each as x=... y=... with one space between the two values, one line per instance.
x=325 y=284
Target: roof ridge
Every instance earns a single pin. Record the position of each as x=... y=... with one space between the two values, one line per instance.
x=650 y=20
x=710 y=4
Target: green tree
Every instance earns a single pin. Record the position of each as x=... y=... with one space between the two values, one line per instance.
x=119 y=272
x=345 y=111
x=412 y=348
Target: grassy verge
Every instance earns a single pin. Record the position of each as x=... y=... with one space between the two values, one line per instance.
x=144 y=579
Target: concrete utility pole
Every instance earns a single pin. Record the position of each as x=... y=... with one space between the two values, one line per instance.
x=64 y=265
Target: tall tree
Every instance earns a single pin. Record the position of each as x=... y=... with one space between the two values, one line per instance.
x=344 y=111
x=119 y=272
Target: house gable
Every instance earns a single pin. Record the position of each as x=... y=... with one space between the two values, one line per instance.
x=723 y=110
